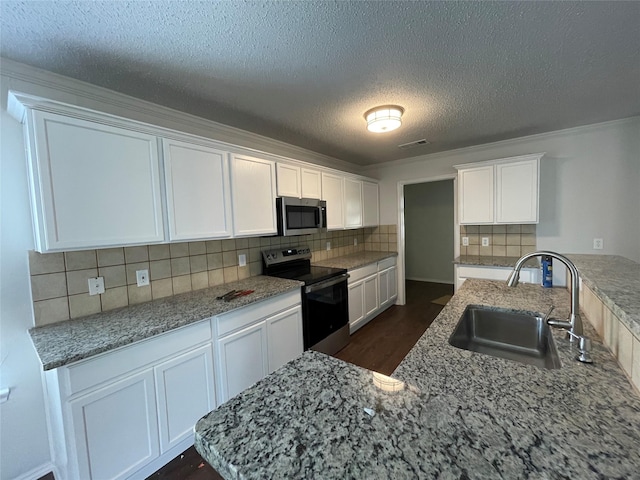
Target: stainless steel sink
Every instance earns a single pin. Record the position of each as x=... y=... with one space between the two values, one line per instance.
x=518 y=336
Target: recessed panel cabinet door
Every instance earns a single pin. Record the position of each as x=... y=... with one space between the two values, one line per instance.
x=311 y=183
x=284 y=337
x=353 y=203
x=476 y=195
x=242 y=360
x=253 y=189
x=371 y=301
x=288 y=180
x=333 y=194
x=93 y=185
x=356 y=302
x=198 y=191
x=370 y=205
x=116 y=428
x=517 y=192
x=185 y=392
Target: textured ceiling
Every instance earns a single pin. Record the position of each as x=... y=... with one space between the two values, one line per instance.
x=304 y=72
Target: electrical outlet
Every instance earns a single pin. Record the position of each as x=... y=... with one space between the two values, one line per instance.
x=598 y=244
x=328 y=245
x=96 y=285
x=142 y=277
x=355 y=242
x=242 y=260
x=485 y=241
x=465 y=241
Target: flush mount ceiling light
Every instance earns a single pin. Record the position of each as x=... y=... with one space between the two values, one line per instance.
x=384 y=118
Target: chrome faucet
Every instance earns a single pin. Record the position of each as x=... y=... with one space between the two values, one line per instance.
x=574 y=323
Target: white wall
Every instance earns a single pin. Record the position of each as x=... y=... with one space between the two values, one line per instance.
x=428 y=225
x=24 y=445
x=590 y=184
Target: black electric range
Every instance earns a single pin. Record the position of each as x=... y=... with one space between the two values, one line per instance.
x=325 y=307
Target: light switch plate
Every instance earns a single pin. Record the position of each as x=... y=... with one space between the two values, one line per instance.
x=328 y=245
x=242 y=260
x=96 y=285
x=485 y=241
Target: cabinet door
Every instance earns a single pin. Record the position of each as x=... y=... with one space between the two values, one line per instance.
x=393 y=283
x=383 y=287
x=253 y=190
x=356 y=302
x=370 y=205
x=116 y=428
x=242 y=360
x=332 y=193
x=288 y=180
x=185 y=392
x=94 y=185
x=353 y=203
x=198 y=191
x=371 y=295
x=476 y=195
x=311 y=183
x=517 y=192
x=284 y=337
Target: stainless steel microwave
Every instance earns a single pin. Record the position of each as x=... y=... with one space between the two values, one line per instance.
x=301 y=216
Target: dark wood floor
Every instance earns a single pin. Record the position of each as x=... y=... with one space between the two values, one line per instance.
x=380 y=346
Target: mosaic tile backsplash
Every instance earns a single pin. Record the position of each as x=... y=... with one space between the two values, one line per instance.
x=59 y=281
x=504 y=240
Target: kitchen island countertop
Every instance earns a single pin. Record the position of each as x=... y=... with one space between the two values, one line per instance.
x=446 y=413
x=65 y=342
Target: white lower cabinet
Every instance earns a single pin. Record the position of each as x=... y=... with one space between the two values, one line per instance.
x=243 y=359
x=127 y=412
x=254 y=341
x=185 y=392
x=372 y=289
x=116 y=428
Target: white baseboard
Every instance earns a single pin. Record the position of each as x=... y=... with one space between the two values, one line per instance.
x=432 y=280
x=37 y=472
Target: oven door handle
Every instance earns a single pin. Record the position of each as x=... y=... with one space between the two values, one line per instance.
x=327 y=283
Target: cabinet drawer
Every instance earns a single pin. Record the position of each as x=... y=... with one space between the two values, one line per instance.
x=360 y=273
x=245 y=316
x=386 y=263
x=109 y=365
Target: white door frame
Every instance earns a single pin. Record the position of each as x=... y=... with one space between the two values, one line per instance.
x=401 y=232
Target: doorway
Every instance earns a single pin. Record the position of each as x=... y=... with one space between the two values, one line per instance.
x=428 y=238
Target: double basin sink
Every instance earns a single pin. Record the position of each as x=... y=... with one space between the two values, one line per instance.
x=518 y=336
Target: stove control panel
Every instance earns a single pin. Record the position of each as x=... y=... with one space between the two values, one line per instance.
x=283 y=255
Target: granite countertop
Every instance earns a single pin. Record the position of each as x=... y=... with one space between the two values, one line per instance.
x=355 y=260
x=616 y=281
x=446 y=413
x=65 y=342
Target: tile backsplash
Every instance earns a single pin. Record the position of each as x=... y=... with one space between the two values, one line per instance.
x=59 y=281
x=504 y=240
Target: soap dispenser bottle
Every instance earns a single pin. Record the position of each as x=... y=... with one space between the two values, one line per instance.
x=547 y=271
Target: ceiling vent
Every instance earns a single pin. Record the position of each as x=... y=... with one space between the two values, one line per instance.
x=416 y=143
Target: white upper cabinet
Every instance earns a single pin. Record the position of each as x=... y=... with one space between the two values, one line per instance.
x=353 y=203
x=253 y=191
x=370 y=204
x=311 y=183
x=289 y=184
x=517 y=192
x=476 y=197
x=198 y=191
x=333 y=194
x=500 y=191
x=92 y=184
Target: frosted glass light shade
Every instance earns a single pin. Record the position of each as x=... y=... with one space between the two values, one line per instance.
x=384 y=119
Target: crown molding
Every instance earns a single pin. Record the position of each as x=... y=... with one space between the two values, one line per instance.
x=114 y=103
x=502 y=143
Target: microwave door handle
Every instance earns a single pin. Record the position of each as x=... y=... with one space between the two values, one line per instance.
x=327 y=283
x=317 y=216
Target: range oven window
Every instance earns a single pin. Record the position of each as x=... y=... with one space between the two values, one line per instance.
x=299 y=216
